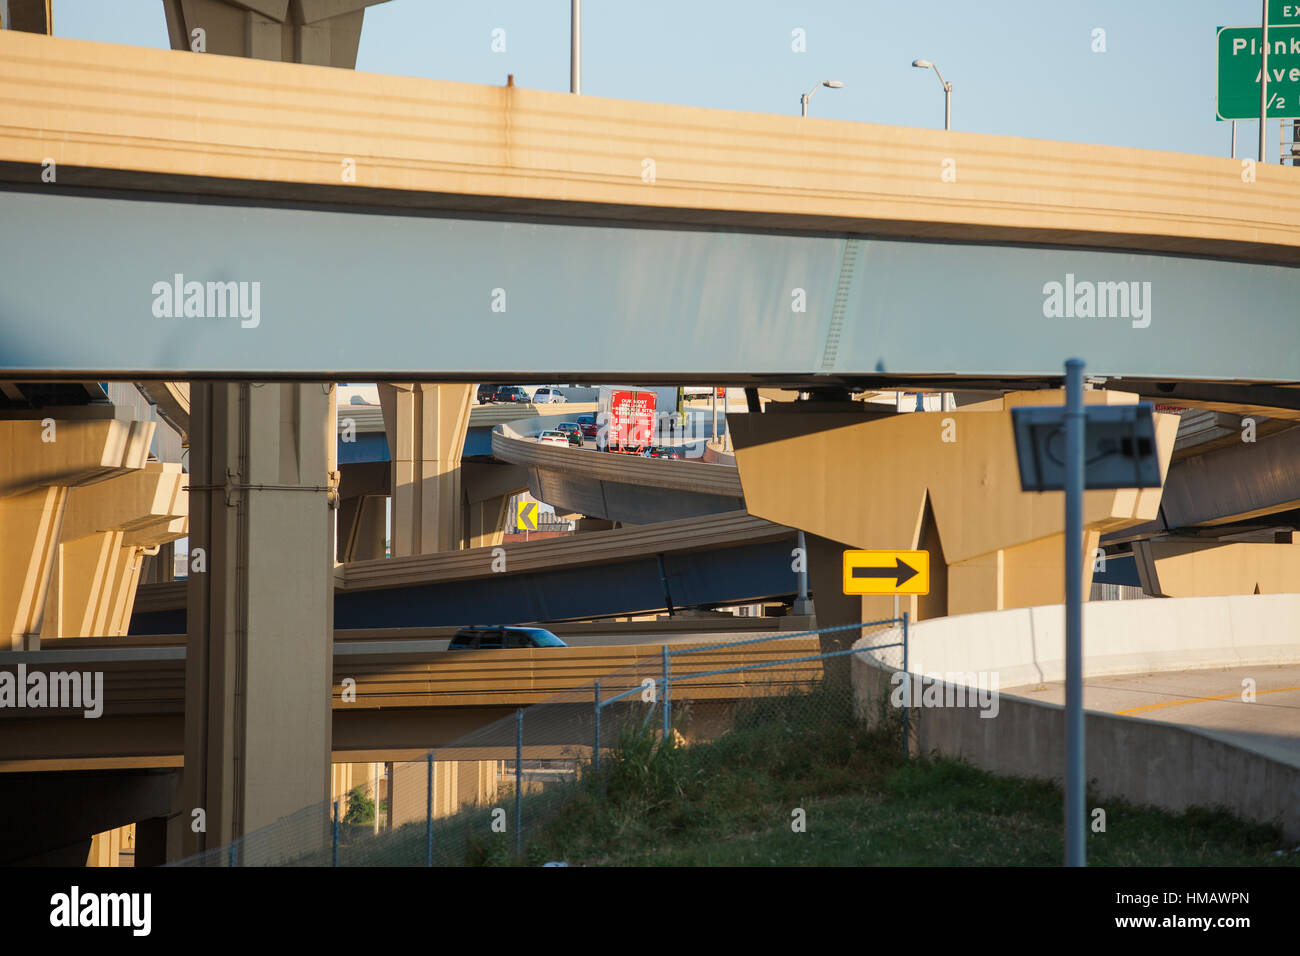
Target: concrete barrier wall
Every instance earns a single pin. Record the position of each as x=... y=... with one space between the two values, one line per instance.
x=1026 y=645
x=1142 y=761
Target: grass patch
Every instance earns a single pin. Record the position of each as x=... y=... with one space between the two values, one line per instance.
x=729 y=802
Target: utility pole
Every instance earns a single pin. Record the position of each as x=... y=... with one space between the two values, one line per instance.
x=1263 y=82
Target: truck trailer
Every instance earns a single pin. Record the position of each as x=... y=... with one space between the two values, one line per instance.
x=627 y=415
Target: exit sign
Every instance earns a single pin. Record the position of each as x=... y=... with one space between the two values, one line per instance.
x=1283 y=13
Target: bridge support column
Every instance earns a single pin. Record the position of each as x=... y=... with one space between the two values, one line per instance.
x=30 y=16
x=363 y=510
x=361 y=527
x=487 y=490
x=81 y=585
x=106 y=530
x=947 y=482
x=485 y=522
x=1191 y=567
x=31 y=536
x=426 y=427
x=324 y=34
x=44 y=458
x=260 y=651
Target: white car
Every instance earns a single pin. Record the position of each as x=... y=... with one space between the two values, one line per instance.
x=553 y=438
x=546 y=395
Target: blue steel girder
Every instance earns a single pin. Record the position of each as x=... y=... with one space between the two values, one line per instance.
x=363 y=296
x=721 y=576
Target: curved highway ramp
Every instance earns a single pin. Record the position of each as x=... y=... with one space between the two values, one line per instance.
x=722 y=559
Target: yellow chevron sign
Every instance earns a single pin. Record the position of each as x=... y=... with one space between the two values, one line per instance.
x=526 y=516
x=886 y=572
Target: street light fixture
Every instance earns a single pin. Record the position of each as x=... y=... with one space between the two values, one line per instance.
x=829 y=84
x=947 y=90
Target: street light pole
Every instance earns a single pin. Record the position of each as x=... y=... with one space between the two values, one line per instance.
x=947 y=90
x=805 y=97
x=575 y=46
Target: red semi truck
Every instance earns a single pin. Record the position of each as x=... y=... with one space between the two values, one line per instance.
x=625 y=418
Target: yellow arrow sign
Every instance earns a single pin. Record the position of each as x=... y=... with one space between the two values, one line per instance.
x=526 y=513
x=886 y=572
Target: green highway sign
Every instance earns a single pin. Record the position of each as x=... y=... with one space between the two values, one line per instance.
x=1283 y=13
x=1239 y=62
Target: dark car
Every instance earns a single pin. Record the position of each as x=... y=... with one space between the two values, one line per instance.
x=573 y=430
x=485 y=638
x=486 y=394
x=588 y=425
x=511 y=394
x=661 y=451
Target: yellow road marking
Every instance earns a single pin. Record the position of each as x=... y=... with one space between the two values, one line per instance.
x=1197 y=700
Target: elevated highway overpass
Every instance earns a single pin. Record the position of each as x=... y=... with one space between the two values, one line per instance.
x=616 y=226
x=410 y=696
x=623 y=488
x=717 y=560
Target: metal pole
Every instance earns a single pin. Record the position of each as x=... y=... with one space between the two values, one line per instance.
x=663 y=578
x=907 y=685
x=1075 y=418
x=947 y=106
x=575 y=46
x=334 y=861
x=519 y=781
x=667 y=693
x=374 y=782
x=714 y=399
x=803 y=104
x=595 y=749
x=428 y=814
x=390 y=793
x=1263 y=80
x=1234 y=139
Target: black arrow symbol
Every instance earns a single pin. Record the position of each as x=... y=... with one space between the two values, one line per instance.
x=902 y=572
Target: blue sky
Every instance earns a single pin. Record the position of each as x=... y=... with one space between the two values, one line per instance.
x=1017 y=68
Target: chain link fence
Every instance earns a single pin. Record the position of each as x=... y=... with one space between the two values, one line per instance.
x=510 y=791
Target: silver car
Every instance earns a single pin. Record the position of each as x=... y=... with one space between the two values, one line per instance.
x=547 y=395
